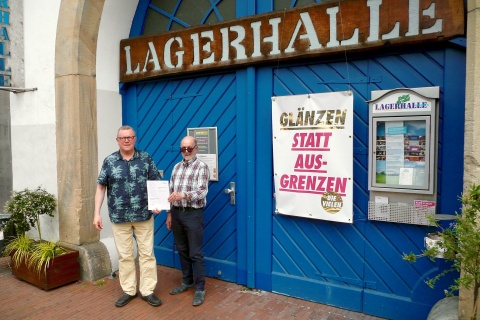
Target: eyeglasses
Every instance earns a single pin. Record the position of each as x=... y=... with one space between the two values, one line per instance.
x=189 y=149
x=125 y=138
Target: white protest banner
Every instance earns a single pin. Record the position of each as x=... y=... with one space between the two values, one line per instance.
x=313 y=155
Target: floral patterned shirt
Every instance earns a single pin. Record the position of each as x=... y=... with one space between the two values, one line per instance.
x=126 y=183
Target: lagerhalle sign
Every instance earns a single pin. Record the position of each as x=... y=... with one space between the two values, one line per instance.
x=322 y=28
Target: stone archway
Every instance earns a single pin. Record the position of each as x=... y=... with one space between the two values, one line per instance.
x=76 y=126
x=471 y=171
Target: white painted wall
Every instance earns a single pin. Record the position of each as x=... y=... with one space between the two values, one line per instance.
x=115 y=25
x=33 y=113
x=34 y=156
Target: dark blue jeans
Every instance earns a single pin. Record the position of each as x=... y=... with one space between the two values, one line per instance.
x=187 y=227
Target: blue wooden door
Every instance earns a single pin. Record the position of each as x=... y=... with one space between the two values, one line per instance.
x=359 y=266
x=355 y=266
x=320 y=260
x=161 y=111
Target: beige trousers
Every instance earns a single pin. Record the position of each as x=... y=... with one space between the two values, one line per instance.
x=123 y=235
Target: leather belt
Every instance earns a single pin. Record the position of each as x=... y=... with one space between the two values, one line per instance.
x=185 y=208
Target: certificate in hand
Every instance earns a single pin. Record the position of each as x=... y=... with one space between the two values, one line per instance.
x=158 y=192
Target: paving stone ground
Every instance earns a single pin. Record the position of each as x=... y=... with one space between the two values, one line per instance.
x=86 y=300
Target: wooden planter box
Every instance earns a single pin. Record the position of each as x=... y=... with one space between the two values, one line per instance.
x=63 y=269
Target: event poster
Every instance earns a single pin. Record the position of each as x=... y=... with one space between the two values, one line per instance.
x=400 y=153
x=313 y=155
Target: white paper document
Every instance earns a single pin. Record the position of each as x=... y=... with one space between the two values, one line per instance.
x=406 y=176
x=382 y=209
x=158 y=192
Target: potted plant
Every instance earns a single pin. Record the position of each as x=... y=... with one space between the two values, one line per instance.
x=42 y=263
x=460 y=244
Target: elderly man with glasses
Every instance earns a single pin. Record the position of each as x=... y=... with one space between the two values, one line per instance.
x=124 y=176
x=188 y=192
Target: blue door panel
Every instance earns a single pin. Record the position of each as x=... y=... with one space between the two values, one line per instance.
x=390 y=307
x=396 y=278
x=164 y=110
x=336 y=265
x=318 y=290
x=368 y=253
x=312 y=251
x=453 y=115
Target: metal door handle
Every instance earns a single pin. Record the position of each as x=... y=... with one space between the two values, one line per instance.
x=231 y=191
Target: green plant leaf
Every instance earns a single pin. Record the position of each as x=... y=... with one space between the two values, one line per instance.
x=461 y=239
x=26 y=207
x=19 y=248
x=42 y=254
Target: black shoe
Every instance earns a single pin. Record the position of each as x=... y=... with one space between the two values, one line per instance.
x=198 y=298
x=152 y=300
x=181 y=288
x=124 y=299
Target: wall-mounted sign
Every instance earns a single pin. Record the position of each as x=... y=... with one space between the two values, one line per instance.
x=403 y=141
x=207 y=143
x=313 y=155
x=306 y=32
x=402 y=155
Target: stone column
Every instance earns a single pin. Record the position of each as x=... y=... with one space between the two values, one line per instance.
x=472 y=122
x=76 y=126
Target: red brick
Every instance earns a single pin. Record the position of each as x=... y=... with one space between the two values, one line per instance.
x=223 y=300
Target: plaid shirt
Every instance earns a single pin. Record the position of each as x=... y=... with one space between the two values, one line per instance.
x=126 y=183
x=192 y=178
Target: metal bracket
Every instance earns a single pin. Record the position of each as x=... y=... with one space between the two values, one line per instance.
x=17 y=90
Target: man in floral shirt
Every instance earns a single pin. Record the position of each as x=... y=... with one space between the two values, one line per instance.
x=124 y=176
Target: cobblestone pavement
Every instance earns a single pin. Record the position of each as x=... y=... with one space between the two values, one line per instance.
x=86 y=300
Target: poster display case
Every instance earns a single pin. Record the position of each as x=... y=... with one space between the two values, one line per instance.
x=403 y=154
x=207 y=142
